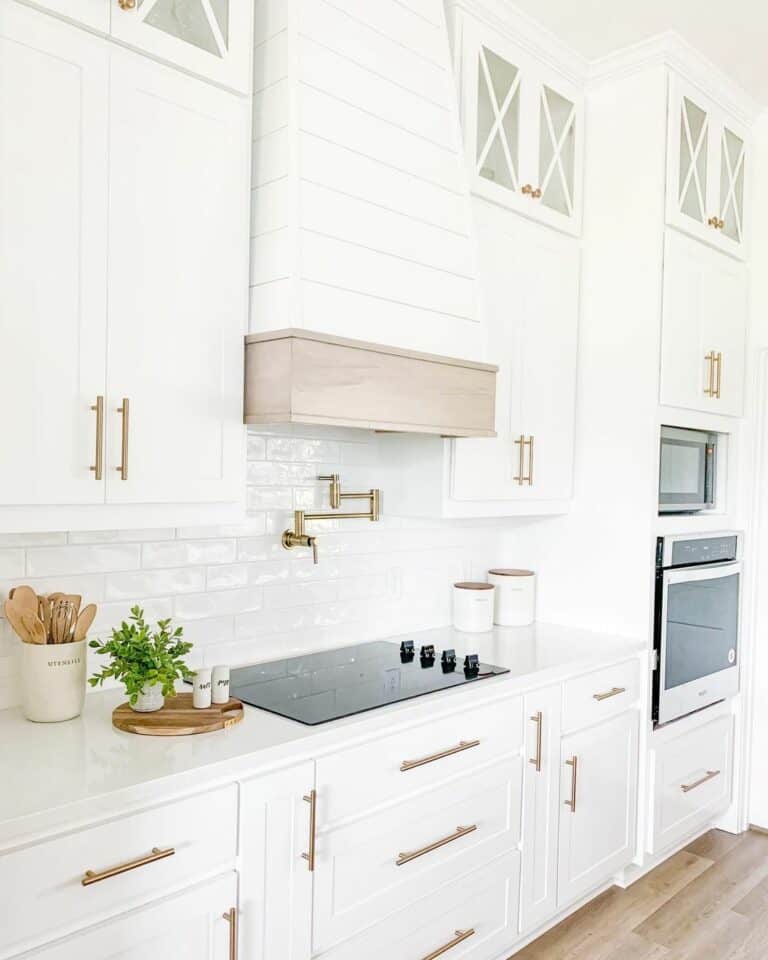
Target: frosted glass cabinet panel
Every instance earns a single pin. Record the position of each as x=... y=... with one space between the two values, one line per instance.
x=207 y=37
x=522 y=129
x=707 y=170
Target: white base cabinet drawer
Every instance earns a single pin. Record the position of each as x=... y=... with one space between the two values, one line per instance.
x=382 y=863
x=599 y=695
x=690 y=782
x=395 y=767
x=472 y=919
x=43 y=890
x=190 y=926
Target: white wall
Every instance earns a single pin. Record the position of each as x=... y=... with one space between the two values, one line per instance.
x=239 y=595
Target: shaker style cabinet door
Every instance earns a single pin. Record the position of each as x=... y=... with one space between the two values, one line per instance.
x=530 y=294
x=703 y=328
x=190 y=926
x=522 y=130
x=707 y=170
x=54 y=80
x=178 y=240
x=541 y=807
x=276 y=880
x=212 y=38
x=598 y=795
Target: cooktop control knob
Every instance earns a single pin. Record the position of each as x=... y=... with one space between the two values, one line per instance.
x=406 y=651
x=472 y=665
x=427 y=655
x=448 y=661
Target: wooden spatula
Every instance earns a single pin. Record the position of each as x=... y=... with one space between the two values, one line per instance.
x=34 y=627
x=24 y=597
x=73 y=598
x=13 y=615
x=45 y=615
x=84 y=622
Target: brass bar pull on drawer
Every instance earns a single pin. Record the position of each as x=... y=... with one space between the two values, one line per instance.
x=463 y=745
x=415 y=854
x=613 y=692
x=574 y=763
x=529 y=478
x=125 y=410
x=711 y=359
x=719 y=377
x=98 y=467
x=90 y=876
x=311 y=799
x=231 y=917
x=520 y=478
x=710 y=775
x=536 y=761
x=461 y=936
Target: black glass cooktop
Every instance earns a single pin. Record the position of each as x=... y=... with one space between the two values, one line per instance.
x=338 y=683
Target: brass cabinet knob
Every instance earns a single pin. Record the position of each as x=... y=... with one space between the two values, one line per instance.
x=127 y=4
x=716 y=222
x=528 y=190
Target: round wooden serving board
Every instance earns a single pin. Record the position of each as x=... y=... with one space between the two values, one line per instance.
x=178 y=718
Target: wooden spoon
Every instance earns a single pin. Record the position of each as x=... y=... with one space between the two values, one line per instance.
x=45 y=615
x=84 y=621
x=13 y=614
x=24 y=598
x=34 y=627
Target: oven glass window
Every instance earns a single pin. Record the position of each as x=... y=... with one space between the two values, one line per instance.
x=702 y=628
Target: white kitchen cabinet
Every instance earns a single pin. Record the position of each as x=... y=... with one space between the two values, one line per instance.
x=177 y=288
x=91 y=13
x=523 y=128
x=599 y=773
x=530 y=288
x=703 y=328
x=53 y=255
x=195 y=925
x=276 y=882
x=212 y=38
x=541 y=808
x=707 y=169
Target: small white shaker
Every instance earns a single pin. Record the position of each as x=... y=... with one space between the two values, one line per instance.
x=220 y=690
x=201 y=688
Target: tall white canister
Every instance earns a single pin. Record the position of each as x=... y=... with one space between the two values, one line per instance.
x=515 y=596
x=473 y=607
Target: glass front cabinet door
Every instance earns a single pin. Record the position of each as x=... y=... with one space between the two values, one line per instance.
x=708 y=168
x=210 y=38
x=522 y=129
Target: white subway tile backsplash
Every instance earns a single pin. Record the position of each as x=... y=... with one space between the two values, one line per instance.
x=238 y=594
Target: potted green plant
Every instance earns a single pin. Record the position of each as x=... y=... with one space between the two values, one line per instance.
x=147 y=662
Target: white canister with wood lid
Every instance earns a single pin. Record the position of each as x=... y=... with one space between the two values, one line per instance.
x=515 y=596
x=473 y=607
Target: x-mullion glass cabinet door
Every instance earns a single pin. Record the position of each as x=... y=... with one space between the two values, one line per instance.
x=211 y=38
x=707 y=169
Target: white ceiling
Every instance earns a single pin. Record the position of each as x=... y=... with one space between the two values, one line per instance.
x=731 y=34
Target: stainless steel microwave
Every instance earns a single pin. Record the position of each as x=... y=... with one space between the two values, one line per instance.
x=687 y=470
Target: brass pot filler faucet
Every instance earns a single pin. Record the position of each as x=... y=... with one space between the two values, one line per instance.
x=298 y=537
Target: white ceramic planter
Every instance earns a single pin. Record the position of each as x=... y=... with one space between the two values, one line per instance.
x=53 y=681
x=150 y=699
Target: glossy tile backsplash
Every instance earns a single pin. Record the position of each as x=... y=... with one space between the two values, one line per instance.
x=239 y=595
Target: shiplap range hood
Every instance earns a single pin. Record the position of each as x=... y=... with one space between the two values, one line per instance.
x=362 y=244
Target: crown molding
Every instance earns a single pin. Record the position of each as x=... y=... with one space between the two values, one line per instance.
x=503 y=17
x=671 y=50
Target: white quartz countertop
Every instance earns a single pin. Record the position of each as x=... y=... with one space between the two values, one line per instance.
x=61 y=775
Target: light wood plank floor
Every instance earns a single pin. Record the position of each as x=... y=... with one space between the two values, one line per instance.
x=708 y=902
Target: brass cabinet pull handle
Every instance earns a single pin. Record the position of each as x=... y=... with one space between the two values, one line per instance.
x=613 y=692
x=537 y=718
x=520 y=478
x=710 y=775
x=125 y=410
x=709 y=390
x=713 y=222
x=529 y=190
x=311 y=799
x=461 y=936
x=90 y=876
x=529 y=478
x=98 y=468
x=127 y=4
x=574 y=763
x=719 y=379
x=415 y=854
x=231 y=917
x=459 y=748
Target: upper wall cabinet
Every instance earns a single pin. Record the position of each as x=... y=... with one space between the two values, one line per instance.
x=707 y=170
x=523 y=129
x=211 y=38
